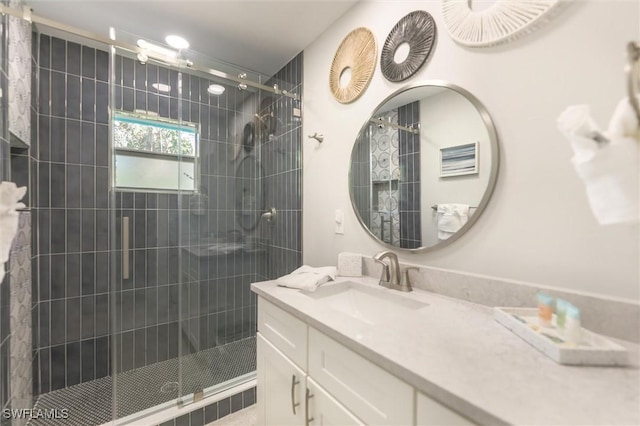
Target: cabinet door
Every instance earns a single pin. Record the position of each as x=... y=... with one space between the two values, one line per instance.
x=430 y=412
x=368 y=391
x=281 y=387
x=324 y=410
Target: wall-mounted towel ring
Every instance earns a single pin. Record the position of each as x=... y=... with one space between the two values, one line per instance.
x=633 y=53
x=317 y=137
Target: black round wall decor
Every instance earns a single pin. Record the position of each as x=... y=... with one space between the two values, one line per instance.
x=249 y=137
x=418 y=30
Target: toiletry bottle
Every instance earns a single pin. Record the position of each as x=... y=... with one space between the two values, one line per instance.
x=545 y=309
x=573 y=330
x=561 y=315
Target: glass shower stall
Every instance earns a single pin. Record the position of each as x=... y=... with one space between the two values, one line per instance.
x=149 y=172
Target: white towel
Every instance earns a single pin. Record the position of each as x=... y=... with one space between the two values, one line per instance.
x=451 y=217
x=611 y=171
x=10 y=195
x=308 y=278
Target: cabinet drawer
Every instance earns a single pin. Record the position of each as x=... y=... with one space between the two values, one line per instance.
x=372 y=394
x=284 y=331
x=430 y=412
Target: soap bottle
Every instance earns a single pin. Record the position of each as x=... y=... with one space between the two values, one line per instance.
x=561 y=315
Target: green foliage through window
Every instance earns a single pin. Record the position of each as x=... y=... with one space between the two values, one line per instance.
x=147 y=135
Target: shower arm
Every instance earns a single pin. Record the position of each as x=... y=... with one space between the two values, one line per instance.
x=26 y=14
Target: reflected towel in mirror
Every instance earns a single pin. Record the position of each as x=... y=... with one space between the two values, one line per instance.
x=308 y=278
x=451 y=217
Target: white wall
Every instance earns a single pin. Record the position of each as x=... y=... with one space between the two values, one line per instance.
x=538 y=227
x=449 y=119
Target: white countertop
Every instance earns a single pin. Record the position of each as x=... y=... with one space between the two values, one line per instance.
x=462 y=357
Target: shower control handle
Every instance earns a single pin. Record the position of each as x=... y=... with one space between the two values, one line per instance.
x=294 y=382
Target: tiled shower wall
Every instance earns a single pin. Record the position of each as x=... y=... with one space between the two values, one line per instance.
x=282 y=162
x=410 y=208
x=72 y=209
x=71 y=214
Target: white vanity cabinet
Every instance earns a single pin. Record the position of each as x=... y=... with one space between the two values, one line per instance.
x=307 y=378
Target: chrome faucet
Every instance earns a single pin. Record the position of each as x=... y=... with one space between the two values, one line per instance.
x=390 y=277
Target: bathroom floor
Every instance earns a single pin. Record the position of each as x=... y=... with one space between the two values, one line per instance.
x=90 y=403
x=246 y=417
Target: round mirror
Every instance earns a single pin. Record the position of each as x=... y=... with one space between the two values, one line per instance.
x=423 y=166
x=249 y=204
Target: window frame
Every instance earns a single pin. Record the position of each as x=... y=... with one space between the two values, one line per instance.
x=143 y=119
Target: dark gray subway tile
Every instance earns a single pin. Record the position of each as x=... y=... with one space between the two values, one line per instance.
x=88 y=189
x=140 y=347
x=102 y=187
x=58 y=54
x=74 y=225
x=127 y=350
x=58 y=139
x=73 y=97
x=128 y=99
x=102 y=103
x=73 y=319
x=58 y=367
x=88 y=317
x=88 y=62
x=87 y=147
x=102 y=65
x=102 y=315
x=88 y=273
x=58 y=93
x=151 y=345
x=102 y=272
x=102 y=145
x=58 y=229
x=102 y=357
x=73 y=141
x=58 y=325
x=197 y=417
x=88 y=99
x=44 y=55
x=102 y=230
x=211 y=413
x=140 y=76
x=140 y=308
x=73 y=277
x=73 y=364
x=128 y=76
x=73 y=182
x=87 y=350
x=44 y=324
x=73 y=58
x=88 y=230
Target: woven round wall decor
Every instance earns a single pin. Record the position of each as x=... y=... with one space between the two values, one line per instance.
x=358 y=53
x=500 y=23
x=418 y=30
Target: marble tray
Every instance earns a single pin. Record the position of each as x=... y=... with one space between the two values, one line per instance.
x=593 y=349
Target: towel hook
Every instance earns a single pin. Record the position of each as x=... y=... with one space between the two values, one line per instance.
x=633 y=55
x=317 y=137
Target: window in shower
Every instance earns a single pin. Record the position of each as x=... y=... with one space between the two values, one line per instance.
x=154 y=154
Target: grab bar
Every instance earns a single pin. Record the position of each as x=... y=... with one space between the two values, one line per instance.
x=633 y=55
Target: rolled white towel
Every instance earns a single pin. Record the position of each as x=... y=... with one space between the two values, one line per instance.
x=308 y=278
x=10 y=195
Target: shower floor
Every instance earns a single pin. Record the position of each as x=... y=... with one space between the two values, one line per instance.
x=90 y=403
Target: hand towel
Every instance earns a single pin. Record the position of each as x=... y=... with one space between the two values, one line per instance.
x=451 y=217
x=308 y=278
x=609 y=171
x=10 y=195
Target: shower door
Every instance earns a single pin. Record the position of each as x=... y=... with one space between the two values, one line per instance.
x=183 y=317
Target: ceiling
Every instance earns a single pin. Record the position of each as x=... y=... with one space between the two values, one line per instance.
x=259 y=35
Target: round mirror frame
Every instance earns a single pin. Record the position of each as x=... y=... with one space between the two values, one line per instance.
x=495 y=160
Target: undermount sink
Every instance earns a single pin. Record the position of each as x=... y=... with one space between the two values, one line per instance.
x=364 y=303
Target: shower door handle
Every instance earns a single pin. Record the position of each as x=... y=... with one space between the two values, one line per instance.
x=294 y=382
x=125 y=248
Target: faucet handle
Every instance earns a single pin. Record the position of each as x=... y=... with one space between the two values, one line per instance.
x=386 y=276
x=406 y=279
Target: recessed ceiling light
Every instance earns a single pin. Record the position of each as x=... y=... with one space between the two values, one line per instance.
x=215 y=89
x=177 y=42
x=161 y=87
